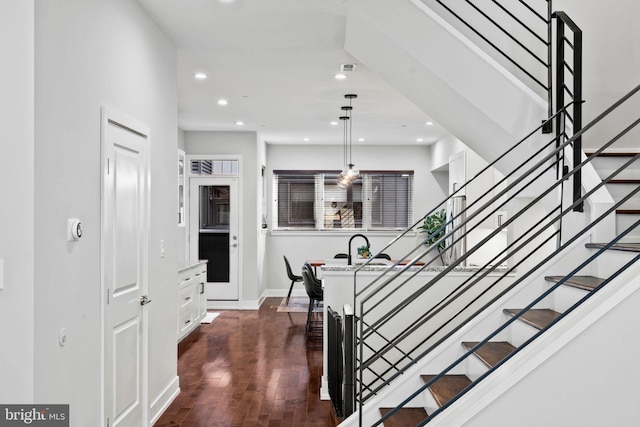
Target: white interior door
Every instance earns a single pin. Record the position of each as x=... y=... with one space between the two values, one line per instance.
x=213 y=234
x=458 y=173
x=124 y=272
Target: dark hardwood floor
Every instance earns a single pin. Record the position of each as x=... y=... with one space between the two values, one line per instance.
x=250 y=368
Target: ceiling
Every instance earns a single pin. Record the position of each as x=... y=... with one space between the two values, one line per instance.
x=274 y=61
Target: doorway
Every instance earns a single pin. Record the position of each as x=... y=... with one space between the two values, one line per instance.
x=214 y=234
x=124 y=267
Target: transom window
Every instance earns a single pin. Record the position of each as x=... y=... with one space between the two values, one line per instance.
x=312 y=200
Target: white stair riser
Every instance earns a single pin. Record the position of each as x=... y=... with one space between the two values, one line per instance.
x=610 y=261
x=429 y=402
x=620 y=191
x=520 y=332
x=605 y=166
x=563 y=297
x=475 y=367
x=625 y=221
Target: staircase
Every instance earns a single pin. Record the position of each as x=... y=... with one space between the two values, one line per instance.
x=471 y=357
x=521 y=327
x=448 y=351
x=442 y=390
x=608 y=161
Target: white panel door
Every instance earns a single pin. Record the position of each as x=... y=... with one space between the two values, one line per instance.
x=458 y=173
x=213 y=234
x=125 y=223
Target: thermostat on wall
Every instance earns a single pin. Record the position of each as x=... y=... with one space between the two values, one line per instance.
x=74 y=229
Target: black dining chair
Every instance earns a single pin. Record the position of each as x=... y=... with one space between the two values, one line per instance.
x=383 y=256
x=293 y=277
x=313 y=286
x=341 y=255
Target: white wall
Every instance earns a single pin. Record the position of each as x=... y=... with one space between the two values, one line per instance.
x=444 y=75
x=611 y=57
x=244 y=144
x=591 y=381
x=262 y=202
x=16 y=190
x=181 y=242
x=91 y=53
x=299 y=247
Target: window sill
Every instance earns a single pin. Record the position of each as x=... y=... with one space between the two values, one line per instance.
x=344 y=232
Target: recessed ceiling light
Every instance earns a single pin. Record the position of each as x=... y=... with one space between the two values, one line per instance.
x=340 y=76
x=419 y=140
x=222 y=101
x=334 y=123
x=361 y=139
x=239 y=123
x=306 y=139
x=429 y=123
x=200 y=76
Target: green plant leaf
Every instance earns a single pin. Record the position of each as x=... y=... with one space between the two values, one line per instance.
x=434 y=226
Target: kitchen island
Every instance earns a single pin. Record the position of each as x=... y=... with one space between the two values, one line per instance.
x=339 y=286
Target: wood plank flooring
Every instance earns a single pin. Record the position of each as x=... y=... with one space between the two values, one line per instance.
x=250 y=369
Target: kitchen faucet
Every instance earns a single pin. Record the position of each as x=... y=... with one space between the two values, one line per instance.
x=352 y=237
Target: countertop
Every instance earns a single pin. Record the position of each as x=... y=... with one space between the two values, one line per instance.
x=380 y=266
x=188 y=265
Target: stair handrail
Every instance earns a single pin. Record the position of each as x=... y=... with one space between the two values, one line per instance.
x=568 y=142
x=421 y=320
x=564 y=246
x=580 y=200
x=574 y=70
x=397 y=272
x=464 y=186
x=515 y=317
x=380 y=354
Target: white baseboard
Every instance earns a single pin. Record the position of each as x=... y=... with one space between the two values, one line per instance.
x=162 y=402
x=296 y=292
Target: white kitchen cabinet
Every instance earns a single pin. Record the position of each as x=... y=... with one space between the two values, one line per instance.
x=191 y=299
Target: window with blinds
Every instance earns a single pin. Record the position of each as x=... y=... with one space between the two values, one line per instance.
x=311 y=200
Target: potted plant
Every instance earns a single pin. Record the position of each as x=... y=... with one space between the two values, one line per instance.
x=364 y=251
x=434 y=226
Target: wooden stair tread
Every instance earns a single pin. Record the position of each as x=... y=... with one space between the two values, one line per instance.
x=624 y=181
x=627 y=247
x=446 y=387
x=628 y=211
x=588 y=283
x=404 y=417
x=611 y=154
x=492 y=352
x=538 y=318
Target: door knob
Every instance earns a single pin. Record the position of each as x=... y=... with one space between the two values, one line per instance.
x=144 y=300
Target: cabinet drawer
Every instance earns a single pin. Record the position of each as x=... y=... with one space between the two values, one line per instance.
x=185 y=297
x=185 y=321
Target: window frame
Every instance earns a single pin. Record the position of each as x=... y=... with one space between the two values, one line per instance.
x=362 y=216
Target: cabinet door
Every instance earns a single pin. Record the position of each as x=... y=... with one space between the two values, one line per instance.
x=201 y=297
x=186 y=304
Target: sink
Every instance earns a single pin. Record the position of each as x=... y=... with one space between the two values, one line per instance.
x=377 y=261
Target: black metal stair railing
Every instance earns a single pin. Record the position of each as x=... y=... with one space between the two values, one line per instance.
x=568 y=84
x=515 y=318
x=522 y=34
x=519 y=34
x=390 y=341
x=378 y=365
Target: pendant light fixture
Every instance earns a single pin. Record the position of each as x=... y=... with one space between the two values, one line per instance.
x=349 y=173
